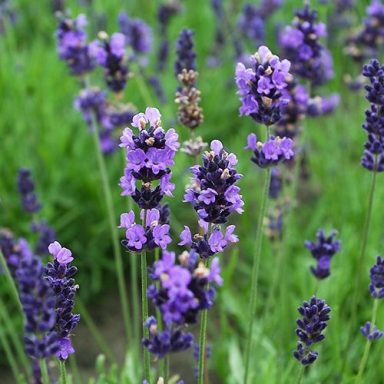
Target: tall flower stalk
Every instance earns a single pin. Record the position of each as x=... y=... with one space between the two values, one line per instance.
x=149 y=154
x=260 y=89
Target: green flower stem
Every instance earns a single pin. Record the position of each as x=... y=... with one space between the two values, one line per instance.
x=11 y=282
x=300 y=376
x=363 y=362
x=44 y=371
x=8 y=352
x=14 y=336
x=144 y=304
x=203 y=339
x=96 y=334
x=255 y=272
x=63 y=373
x=113 y=229
x=75 y=374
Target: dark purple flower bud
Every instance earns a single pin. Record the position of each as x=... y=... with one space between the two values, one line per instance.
x=376 y=285
x=323 y=250
x=260 y=87
x=26 y=188
x=310 y=327
x=72 y=46
x=371 y=333
x=165 y=13
x=186 y=56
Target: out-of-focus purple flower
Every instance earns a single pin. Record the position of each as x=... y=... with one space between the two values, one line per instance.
x=109 y=53
x=260 y=87
x=60 y=276
x=149 y=157
x=186 y=56
x=372 y=333
x=315 y=316
x=196 y=354
x=138 y=34
x=373 y=157
x=26 y=188
x=323 y=250
x=322 y=105
x=274 y=151
x=268 y=7
x=47 y=236
x=251 y=24
x=301 y=44
x=276 y=183
x=72 y=46
x=213 y=193
x=376 y=286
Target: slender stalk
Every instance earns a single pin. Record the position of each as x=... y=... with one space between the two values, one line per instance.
x=86 y=317
x=14 y=336
x=144 y=304
x=11 y=282
x=300 y=376
x=364 y=359
x=74 y=370
x=113 y=229
x=44 y=371
x=8 y=352
x=202 y=341
x=255 y=273
x=63 y=373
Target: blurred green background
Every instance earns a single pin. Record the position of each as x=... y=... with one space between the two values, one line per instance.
x=40 y=129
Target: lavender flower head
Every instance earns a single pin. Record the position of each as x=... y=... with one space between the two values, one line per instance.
x=72 y=46
x=138 y=34
x=323 y=250
x=59 y=274
x=150 y=154
x=372 y=333
x=26 y=188
x=251 y=24
x=186 y=56
x=213 y=193
x=260 y=87
x=373 y=157
x=323 y=105
x=301 y=44
x=376 y=286
x=109 y=53
x=274 y=151
x=315 y=316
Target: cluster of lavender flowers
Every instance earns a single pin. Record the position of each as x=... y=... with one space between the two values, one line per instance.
x=373 y=157
x=72 y=44
x=109 y=53
x=300 y=43
x=260 y=87
x=323 y=105
x=184 y=290
x=315 y=316
x=150 y=154
x=376 y=288
x=95 y=109
x=31 y=205
x=367 y=42
x=323 y=250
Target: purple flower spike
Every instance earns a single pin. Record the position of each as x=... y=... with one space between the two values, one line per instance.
x=376 y=286
x=260 y=87
x=26 y=188
x=371 y=333
x=315 y=316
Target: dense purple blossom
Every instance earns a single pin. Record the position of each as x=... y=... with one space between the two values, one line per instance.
x=150 y=155
x=213 y=193
x=109 y=53
x=371 y=333
x=260 y=87
x=376 y=286
x=60 y=274
x=373 y=157
x=315 y=315
x=26 y=188
x=155 y=234
x=72 y=46
x=274 y=151
x=300 y=43
x=138 y=34
x=323 y=250
x=185 y=54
